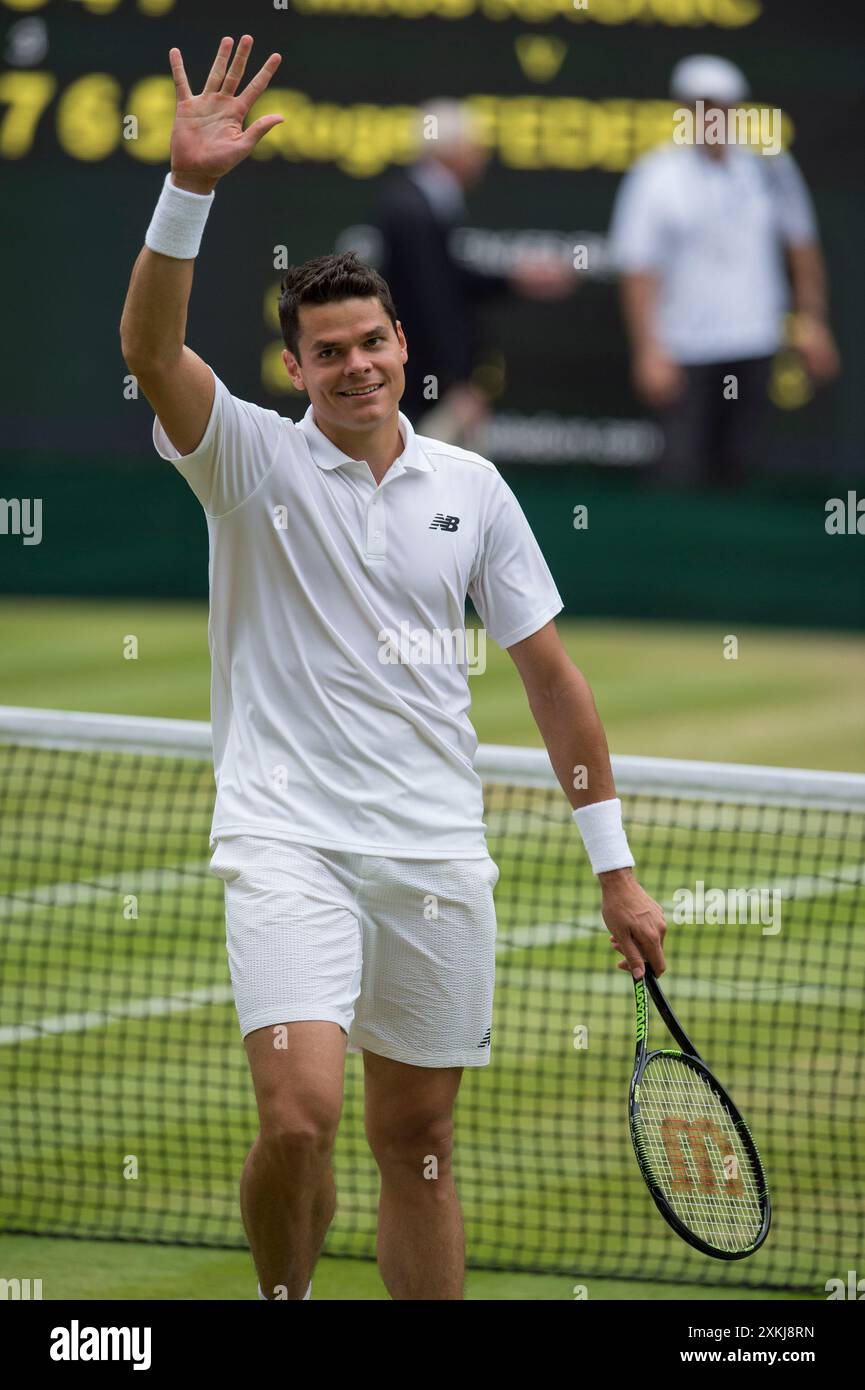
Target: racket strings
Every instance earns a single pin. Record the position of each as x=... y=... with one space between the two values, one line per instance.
x=694 y=1153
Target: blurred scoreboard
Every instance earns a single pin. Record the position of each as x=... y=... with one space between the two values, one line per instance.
x=569 y=93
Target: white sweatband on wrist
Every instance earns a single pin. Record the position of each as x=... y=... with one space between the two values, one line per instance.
x=601 y=828
x=178 y=222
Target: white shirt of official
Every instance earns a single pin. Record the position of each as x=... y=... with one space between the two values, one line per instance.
x=315 y=739
x=714 y=232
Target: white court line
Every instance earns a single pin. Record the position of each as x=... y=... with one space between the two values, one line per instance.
x=583 y=926
x=801 y=888
x=185 y=874
x=120 y=883
x=95 y=1018
x=579 y=984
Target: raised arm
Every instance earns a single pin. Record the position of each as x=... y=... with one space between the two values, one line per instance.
x=207 y=141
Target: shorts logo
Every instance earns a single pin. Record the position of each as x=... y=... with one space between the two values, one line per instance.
x=440 y=522
x=485 y=1040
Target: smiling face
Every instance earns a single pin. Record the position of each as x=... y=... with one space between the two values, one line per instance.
x=350 y=362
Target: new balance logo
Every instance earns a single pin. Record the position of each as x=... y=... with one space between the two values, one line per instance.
x=485 y=1041
x=444 y=523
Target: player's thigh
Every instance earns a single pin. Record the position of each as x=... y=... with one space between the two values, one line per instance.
x=298 y=1075
x=408 y=1110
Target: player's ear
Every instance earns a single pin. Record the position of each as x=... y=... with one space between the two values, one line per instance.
x=292 y=366
x=402 y=342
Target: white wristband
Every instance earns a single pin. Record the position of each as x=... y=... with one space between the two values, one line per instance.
x=601 y=828
x=178 y=222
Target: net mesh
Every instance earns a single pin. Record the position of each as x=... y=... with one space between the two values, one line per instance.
x=126 y=1109
x=692 y=1149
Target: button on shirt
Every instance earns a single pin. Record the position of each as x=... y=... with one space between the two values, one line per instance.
x=714 y=233
x=318 y=577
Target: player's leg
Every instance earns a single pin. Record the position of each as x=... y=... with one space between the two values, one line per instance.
x=287 y=1193
x=424 y=1013
x=409 y=1125
x=294 y=950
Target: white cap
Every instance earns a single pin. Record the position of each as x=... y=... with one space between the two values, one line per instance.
x=703 y=75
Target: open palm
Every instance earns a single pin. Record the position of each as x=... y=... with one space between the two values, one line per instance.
x=208 y=138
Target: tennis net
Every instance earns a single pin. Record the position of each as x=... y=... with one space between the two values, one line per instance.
x=126 y=1108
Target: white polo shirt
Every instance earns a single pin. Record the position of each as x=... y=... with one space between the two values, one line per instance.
x=312 y=565
x=714 y=232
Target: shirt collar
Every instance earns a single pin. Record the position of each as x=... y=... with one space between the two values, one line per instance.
x=326 y=454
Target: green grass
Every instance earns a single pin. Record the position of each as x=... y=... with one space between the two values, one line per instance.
x=113 y=1270
x=550 y=1183
x=790 y=698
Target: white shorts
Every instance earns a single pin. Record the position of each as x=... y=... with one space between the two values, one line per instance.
x=399 y=952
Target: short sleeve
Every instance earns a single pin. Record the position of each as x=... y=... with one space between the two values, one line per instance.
x=794 y=210
x=236 y=451
x=636 y=240
x=511 y=585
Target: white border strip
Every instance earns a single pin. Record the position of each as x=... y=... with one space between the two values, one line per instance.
x=121 y=733
x=735 y=782
x=498 y=763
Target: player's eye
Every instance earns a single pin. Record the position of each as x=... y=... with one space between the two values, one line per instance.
x=376 y=338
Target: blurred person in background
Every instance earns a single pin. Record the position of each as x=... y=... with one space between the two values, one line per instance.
x=437 y=295
x=715 y=242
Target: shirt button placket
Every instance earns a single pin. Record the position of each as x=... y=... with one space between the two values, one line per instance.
x=375 y=525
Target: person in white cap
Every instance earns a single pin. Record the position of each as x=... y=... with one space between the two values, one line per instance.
x=715 y=242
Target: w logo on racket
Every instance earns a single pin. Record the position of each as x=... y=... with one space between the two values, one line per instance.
x=674 y=1132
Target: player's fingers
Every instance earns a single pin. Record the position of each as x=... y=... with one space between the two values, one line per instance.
x=238 y=66
x=259 y=128
x=178 y=72
x=633 y=958
x=654 y=954
x=254 y=88
x=220 y=63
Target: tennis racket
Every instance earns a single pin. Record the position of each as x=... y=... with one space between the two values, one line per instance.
x=693 y=1147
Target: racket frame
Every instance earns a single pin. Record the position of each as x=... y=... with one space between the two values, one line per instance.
x=687 y=1053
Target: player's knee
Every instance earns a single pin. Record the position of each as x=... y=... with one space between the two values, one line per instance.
x=422 y=1145
x=298 y=1141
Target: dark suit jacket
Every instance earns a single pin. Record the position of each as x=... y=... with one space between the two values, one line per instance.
x=435 y=296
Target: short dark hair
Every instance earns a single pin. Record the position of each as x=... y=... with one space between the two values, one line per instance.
x=326 y=280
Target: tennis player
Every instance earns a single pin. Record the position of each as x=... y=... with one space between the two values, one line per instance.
x=348 y=826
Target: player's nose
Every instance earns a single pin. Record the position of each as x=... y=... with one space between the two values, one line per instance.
x=357 y=361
